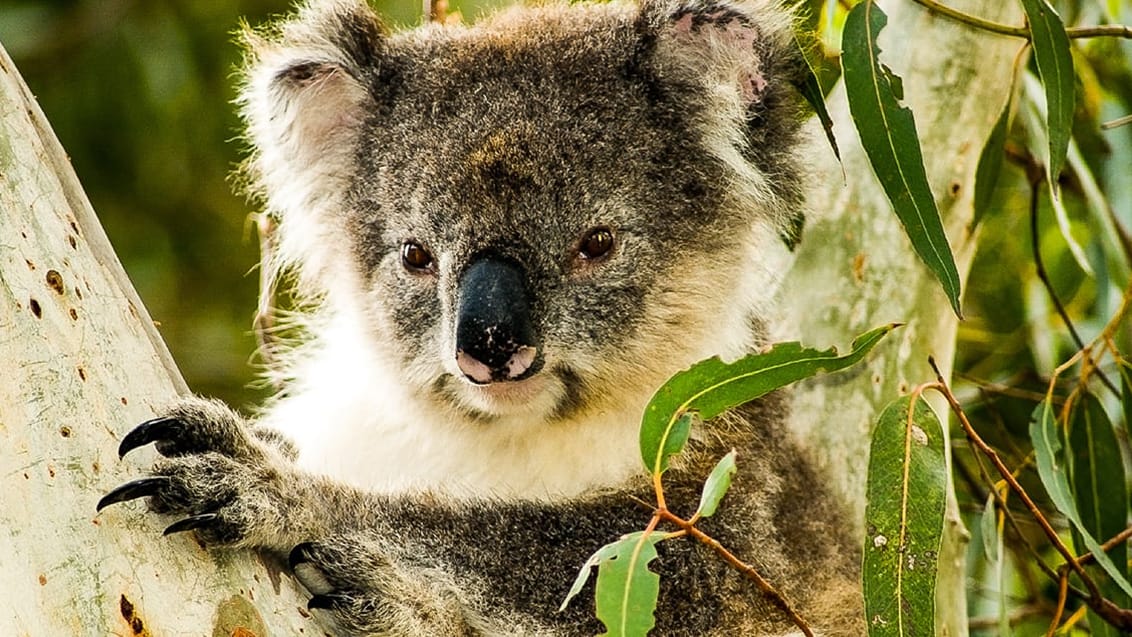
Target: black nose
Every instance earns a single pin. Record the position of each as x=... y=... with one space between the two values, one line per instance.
x=495 y=337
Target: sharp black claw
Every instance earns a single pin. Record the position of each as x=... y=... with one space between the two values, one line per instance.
x=190 y=523
x=323 y=601
x=145 y=433
x=133 y=490
x=298 y=555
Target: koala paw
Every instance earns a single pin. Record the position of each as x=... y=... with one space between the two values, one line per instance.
x=363 y=591
x=226 y=482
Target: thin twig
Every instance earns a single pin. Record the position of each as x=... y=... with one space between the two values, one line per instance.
x=1039 y=264
x=1103 y=30
x=1008 y=476
x=1116 y=540
x=1062 y=589
x=749 y=570
x=1118 y=617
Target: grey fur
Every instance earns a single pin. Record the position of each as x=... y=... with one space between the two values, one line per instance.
x=674 y=126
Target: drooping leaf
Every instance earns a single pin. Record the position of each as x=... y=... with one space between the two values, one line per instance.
x=626 y=589
x=1061 y=215
x=888 y=134
x=1048 y=453
x=1126 y=393
x=1096 y=471
x=603 y=554
x=717 y=485
x=1055 y=65
x=711 y=387
x=906 y=500
x=810 y=89
x=990 y=528
x=990 y=162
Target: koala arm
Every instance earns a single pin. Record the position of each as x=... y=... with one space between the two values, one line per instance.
x=407 y=564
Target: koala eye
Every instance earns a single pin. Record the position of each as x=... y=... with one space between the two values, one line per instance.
x=414 y=257
x=596 y=244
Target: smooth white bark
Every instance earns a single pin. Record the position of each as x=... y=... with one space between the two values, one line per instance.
x=856 y=268
x=80 y=363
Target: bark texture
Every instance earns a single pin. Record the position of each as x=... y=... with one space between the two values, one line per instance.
x=856 y=268
x=80 y=363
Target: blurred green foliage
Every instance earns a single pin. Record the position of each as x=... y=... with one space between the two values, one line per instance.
x=139 y=92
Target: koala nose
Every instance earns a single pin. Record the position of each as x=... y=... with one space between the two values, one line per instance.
x=495 y=337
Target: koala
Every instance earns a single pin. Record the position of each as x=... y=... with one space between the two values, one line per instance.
x=505 y=238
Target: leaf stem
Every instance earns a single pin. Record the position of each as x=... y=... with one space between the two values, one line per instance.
x=746 y=569
x=1062 y=590
x=1118 y=617
x=1101 y=30
x=1007 y=475
x=1117 y=539
x=1039 y=265
x=974 y=21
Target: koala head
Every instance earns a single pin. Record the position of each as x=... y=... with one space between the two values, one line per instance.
x=546 y=213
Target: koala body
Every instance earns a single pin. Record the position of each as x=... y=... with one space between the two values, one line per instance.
x=508 y=235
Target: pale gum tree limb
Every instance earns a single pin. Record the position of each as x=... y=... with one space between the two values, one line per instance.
x=856 y=269
x=80 y=363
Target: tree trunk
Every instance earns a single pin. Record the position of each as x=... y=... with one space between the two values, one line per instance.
x=856 y=269
x=80 y=363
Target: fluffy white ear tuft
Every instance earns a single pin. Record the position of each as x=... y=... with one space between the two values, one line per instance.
x=306 y=92
x=731 y=45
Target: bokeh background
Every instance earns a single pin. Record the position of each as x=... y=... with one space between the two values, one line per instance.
x=139 y=92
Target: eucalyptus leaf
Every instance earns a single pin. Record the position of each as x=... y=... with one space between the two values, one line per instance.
x=1126 y=393
x=904 y=512
x=626 y=589
x=711 y=387
x=888 y=134
x=603 y=554
x=1055 y=65
x=990 y=162
x=989 y=529
x=810 y=89
x=717 y=485
x=1096 y=472
x=1049 y=456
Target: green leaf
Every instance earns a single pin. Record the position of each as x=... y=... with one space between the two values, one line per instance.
x=603 y=554
x=711 y=387
x=810 y=89
x=990 y=162
x=1052 y=471
x=717 y=485
x=991 y=531
x=1055 y=65
x=988 y=527
x=1126 y=393
x=906 y=500
x=626 y=589
x=903 y=511
x=888 y=134
x=1096 y=473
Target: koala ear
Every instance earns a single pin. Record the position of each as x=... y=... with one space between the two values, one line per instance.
x=741 y=60
x=731 y=45
x=307 y=89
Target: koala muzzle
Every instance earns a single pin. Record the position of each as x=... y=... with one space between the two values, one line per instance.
x=495 y=337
